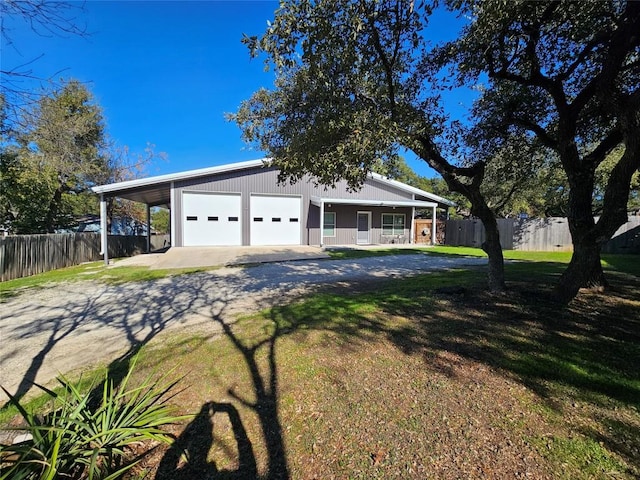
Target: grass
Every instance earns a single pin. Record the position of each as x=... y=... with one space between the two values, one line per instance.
x=620 y=262
x=405 y=379
x=90 y=271
x=97 y=271
x=470 y=382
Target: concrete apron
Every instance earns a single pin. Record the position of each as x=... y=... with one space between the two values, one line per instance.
x=197 y=257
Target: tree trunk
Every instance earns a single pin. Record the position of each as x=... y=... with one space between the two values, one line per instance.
x=53 y=210
x=427 y=150
x=493 y=249
x=584 y=270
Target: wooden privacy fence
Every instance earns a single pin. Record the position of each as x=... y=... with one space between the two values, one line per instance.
x=24 y=255
x=538 y=234
x=422 y=231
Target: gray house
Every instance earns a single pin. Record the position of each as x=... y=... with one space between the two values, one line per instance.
x=243 y=204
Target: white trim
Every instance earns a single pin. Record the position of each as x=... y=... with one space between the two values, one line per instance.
x=335 y=223
x=172 y=214
x=412 y=232
x=410 y=189
x=104 y=235
x=174 y=177
x=148 y=228
x=433 y=227
x=321 y=223
x=368 y=214
x=373 y=203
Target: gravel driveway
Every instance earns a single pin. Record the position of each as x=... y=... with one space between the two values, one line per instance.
x=72 y=326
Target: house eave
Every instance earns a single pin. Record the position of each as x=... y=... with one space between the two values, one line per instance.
x=413 y=190
x=174 y=177
x=317 y=201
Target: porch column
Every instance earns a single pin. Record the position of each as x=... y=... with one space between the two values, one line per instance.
x=172 y=217
x=104 y=246
x=413 y=225
x=321 y=223
x=148 y=228
x=433 y=226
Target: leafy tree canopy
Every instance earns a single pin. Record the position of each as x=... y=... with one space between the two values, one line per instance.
x=51 y=158
x=356 y=79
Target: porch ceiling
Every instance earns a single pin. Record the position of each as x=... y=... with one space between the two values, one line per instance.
x=373 y=203
x=153 y=195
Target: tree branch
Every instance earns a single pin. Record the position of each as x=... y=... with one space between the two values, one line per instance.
x=622 y=41
x=387 y=65
x=546 y=139
x=599 y=153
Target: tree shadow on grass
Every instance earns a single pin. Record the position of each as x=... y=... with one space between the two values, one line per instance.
x=591 y=347
x=587 y=353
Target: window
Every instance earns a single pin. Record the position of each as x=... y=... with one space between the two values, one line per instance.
x=329 y=224
x=233 y=219
x=191 y=218
x=393 y=224
x=293 y=220
x=275 y=219
x=212 y=219
x=257 y=219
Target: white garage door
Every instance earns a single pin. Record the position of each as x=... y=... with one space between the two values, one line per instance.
x=275 y=220
x=211 y=219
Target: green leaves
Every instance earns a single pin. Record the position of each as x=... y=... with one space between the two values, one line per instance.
x=87 y=435
x=49 y=160
x=344 y=91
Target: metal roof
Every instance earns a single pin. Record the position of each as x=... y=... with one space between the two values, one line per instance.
x=373 y=203
x=156 y=190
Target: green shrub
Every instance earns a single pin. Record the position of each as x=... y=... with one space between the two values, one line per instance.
x=88 y=435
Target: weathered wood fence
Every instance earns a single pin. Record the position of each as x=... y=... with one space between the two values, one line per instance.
x=538 y=234
x=24 y=255
x=422 y=231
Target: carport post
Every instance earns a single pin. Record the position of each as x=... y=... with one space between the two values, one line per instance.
x=433 y=227
x=321 y=222
x=412 y=233
x=104 y=246
x=148 y=228
x=172 y=217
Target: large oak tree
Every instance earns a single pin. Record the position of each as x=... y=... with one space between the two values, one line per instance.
x=357 y=79
x=566 y=74
x=351 y=88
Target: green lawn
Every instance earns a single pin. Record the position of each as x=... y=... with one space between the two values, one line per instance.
x=90 y=271
x=407 y=378
x=620 y=262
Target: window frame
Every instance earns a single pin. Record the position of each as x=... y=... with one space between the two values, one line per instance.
x=333 y=225
x=394 y=231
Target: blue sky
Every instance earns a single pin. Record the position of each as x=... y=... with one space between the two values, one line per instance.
x=166 y=72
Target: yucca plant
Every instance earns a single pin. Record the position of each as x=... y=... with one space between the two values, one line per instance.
x=88 y=435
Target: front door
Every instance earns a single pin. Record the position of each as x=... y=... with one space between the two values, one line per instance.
x=364 y=228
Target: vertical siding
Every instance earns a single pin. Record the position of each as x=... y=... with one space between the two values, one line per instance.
x=346 y=224
x=265 y=181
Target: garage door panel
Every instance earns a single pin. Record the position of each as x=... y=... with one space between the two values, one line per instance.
x=212 y=219
x=275 y=220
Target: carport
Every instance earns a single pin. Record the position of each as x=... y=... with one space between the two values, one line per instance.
x=151 y=194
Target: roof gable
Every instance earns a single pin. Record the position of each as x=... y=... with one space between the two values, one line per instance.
x=156 y=190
